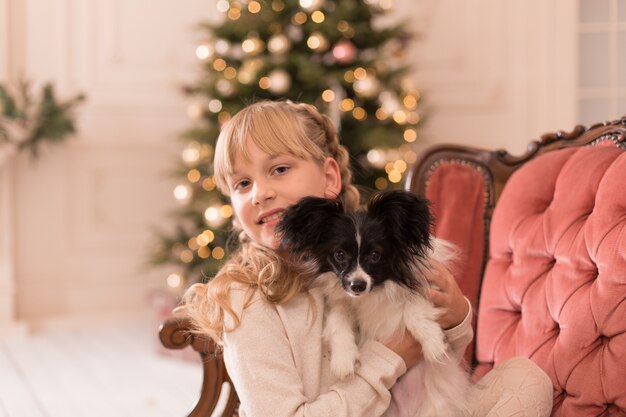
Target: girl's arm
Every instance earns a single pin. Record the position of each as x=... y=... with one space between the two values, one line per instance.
x=270 y=382
x=456 y=310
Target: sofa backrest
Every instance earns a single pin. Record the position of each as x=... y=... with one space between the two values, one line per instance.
x=554 y=288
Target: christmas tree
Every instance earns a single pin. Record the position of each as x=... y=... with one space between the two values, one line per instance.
x=327 y=53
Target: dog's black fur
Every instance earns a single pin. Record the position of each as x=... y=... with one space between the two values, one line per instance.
x=394 y=231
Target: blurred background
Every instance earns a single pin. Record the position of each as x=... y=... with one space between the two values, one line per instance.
x=77 y=223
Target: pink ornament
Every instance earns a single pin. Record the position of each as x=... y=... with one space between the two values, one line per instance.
x=344 y=52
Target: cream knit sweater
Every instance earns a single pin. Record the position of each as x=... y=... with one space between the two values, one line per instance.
x=280 y=366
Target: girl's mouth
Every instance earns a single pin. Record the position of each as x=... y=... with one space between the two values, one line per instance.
x=272 y=218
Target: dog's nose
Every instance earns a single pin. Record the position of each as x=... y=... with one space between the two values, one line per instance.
x=357 y=287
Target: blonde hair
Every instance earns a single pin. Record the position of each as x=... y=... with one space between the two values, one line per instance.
x=276 y=127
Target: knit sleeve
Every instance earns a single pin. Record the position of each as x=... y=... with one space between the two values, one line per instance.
x=461 y=335
x=263 y=370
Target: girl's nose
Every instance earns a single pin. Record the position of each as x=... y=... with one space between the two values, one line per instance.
x=262 y=192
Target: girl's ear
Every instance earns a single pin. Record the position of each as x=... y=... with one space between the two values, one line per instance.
x=332 y=175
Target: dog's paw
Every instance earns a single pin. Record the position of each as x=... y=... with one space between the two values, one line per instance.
x=434 y=351
x=343 y=363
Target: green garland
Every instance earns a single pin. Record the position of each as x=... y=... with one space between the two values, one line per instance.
x=26 y=123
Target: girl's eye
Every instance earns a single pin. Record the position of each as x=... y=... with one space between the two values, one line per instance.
x=241 y=184
x=281 y=169
x=340 y=256
x=374 y=256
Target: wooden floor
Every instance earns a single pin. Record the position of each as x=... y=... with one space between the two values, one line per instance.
x=110 y=370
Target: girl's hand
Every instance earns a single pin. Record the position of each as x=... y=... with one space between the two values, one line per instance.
x=446 y=295
x=407 y=348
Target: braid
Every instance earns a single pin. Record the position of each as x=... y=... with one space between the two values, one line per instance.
x=349 y=193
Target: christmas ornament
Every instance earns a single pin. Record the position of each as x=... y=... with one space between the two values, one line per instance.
x=344 y=52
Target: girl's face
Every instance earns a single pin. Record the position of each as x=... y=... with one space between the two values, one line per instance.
x=263 y=187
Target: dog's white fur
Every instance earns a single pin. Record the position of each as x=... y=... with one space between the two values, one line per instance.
x=387 y=312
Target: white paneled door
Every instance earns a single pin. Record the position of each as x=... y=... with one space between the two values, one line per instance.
x=83 y=213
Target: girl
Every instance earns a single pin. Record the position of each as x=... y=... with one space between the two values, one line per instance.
x=269 y=320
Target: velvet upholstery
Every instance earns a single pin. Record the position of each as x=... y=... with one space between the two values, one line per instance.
x=554 y=288
x=464 y=231
x=467 y=231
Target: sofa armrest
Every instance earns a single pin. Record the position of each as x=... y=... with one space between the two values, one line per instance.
x=217 y=392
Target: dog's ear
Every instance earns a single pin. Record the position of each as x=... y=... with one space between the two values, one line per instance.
x=407 y=217
x=303 y=224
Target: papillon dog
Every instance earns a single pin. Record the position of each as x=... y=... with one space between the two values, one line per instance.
x=372 y=265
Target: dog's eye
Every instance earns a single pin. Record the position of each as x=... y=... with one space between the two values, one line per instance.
x=340 y=256
x=374 y=256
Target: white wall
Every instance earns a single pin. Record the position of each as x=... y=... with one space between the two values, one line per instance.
x=494 y=73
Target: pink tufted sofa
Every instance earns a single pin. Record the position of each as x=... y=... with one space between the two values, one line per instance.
x=543 y=238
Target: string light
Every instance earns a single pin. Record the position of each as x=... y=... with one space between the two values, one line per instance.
x=254 y=7
x=219 y=64
x=208 y=184
x=328 y=95
x=413 y=117
x=222 y=46
x=223 y=117
x=410 y=135
x=399 y=116
x=182 y=193
x=230 y=73
x=359 y=113
x=410 y=101
x=360 y=73
x=318 y=17
x=226 y=211
x=299 y=18
x=234 y=13
x=193 y=175
x=215 y=105
x=191 y=153
x=265 y=83
x=346 y=104
x=223 y=6
x=194 y=111
x=204 y=52
x=218 y=253
x=209 y=235
x=193 y=243
x=376 y=157
x=211 y=214
x=278 y=6
x=174 y=280
x=380 y=183
x=186 y=256
x=381 y=114
x=317 y=41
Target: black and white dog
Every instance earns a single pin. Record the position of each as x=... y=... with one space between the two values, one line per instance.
x=371 y=264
